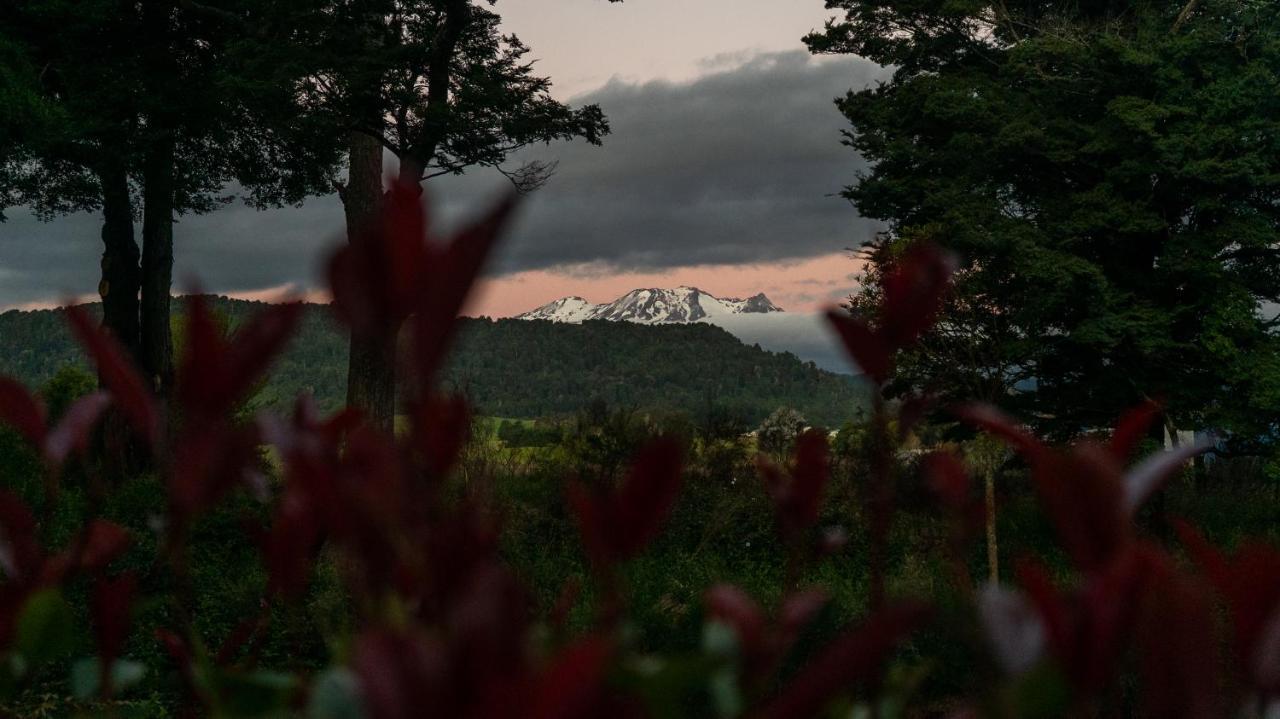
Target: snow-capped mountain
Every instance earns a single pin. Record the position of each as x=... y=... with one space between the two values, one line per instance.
x=565 y=309
x=653 y=306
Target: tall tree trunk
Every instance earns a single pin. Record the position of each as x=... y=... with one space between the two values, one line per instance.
x=121 y=277
x=121 y=281
x=993 y=546
x=157 y=263
x=371 y=370
x=986 y=454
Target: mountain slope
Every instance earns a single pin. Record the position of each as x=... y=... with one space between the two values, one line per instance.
x=515 y=368
x=653 y=306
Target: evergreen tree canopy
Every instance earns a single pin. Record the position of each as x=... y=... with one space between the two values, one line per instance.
x=436 y=82
x=1109 y=173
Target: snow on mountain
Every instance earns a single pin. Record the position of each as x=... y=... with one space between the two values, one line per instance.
x=565 y=309
x=653 y=306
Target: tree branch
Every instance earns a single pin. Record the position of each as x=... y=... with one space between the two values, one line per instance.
x=1185 y=15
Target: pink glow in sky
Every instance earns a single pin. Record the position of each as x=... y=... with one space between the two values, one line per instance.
x=581 y=44
x=804 y=285
x=799 y=286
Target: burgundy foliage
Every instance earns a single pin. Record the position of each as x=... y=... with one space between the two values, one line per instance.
x=912 y=294
x=442 y=625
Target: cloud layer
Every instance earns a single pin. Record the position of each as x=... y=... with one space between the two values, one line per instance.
x=742 y=165
x=739 y=166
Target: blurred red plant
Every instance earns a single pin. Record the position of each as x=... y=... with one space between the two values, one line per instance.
x=443 y=624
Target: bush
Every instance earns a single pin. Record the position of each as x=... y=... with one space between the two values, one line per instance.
x=372 y=579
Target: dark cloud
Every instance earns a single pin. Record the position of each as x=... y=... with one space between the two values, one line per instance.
x=234 y=249
x=741 y=165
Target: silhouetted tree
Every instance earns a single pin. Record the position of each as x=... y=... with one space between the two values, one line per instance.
x=439 y=86
x=1107 y=173
x=144 y=109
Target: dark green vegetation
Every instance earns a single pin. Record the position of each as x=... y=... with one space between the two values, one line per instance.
x=521 y=369
x=145 y=111
x=721 y=530
x=1105 y=169
x=151 y=110
x=1109 y=174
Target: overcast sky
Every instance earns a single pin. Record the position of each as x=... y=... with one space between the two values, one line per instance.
x=721 y=172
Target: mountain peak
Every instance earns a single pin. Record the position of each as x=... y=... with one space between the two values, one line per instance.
x=653 y=305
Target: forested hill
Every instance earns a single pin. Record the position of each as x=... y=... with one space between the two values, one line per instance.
x=520 y=368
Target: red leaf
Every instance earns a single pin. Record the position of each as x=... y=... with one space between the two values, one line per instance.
x=948 y=479
x=441 y=426
x=208 y=462
x=401 y=674
x=799 y=609
x=180 y=653
x=797 y=496
x=22 y=411
x=570 y=593
x=571 y=687
x=254 y=346
x=647 y=496
x=404 y=241
x=1082 y=494
x=911 y=413
x=201 y=362
x=112 y=600
x=851 y=657
x=1049 y=603
x=127 y=386
x=447 y=284
x=1178 y=649
x=591 y=518
x=811 y=472
x=290 y=545
x=872 y=355
x=75 y=428
x=217 y=373
x=1145 y=479
x=736 y=608
x=354 y=280
x=1086 y=629
x=913 y=293
x=103 y=543
x=20 y=552
x=1132 y=428
x=1211 y=561
x=992 y=420
x=1246 y=582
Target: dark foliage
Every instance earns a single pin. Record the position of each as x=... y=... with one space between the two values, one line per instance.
x=1107 y=174
x=437 y=619
x=519 y=369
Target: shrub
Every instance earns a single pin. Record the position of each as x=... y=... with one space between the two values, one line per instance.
x=430 y=618
x=779 y=430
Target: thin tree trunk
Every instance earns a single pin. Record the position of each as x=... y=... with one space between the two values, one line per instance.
x=371 y=370
x=157 y=263
x=121 y=277
x=993 y=547
x=119 y=287
x=986 y=455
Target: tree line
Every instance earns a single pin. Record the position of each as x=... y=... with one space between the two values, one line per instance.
x=1108 y=173
x=149 y=111
x=515 y=368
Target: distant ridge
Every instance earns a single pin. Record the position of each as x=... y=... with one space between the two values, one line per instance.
x=653 y=306
x=511 y=368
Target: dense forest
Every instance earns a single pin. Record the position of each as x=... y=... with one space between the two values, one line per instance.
x=517 y=368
